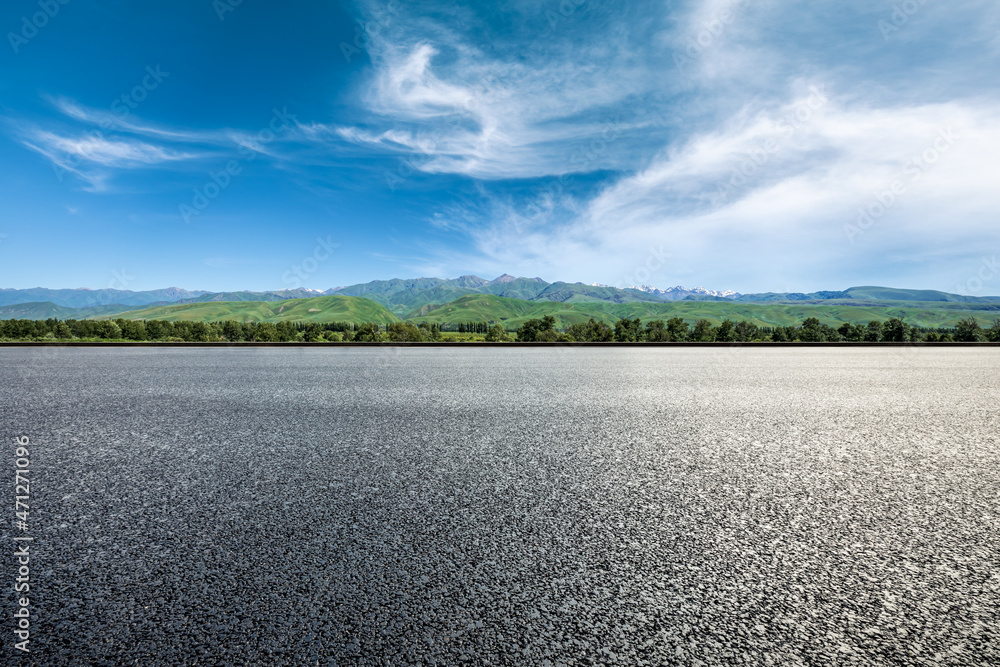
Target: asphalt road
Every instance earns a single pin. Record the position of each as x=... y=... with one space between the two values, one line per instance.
x=507 y=506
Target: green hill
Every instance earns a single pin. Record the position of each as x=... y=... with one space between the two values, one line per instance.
x=316 y=309
x=893 y=294
x=514 y=312
x=45 y=309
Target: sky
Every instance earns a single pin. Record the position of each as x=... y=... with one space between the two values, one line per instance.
x=748 y=145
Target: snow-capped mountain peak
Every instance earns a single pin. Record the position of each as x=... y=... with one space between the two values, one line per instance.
x=680 y=292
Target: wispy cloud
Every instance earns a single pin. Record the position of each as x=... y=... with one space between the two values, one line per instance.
x=797 y=211
x=461 y=108
x=95 y=145
x=766 y=133
x=121 y=152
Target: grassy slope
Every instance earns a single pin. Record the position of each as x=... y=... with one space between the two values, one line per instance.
x=513 y=312
x=46 y=309
x=871 y=292
x=316 y=309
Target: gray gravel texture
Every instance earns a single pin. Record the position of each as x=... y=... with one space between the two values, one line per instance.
x=563 y=506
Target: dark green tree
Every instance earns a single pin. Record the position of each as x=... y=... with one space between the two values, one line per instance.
x=852 y=333
x=994 y=332
x=530 y=331
x=895 y=331
x=726 y=332
x=968 y=331
x=158 y=329
x=591 y=331
x=703 y=332
x=812 y=331
x=133 y=330
x=656 y=332
x=110 y=330
x=744 y=331
x=367 y=332
x=873 y=332
x=678 y=330
x=233 y=331
x=265 y=332
x=402 y=332
x=628 y=331
x=497 y=334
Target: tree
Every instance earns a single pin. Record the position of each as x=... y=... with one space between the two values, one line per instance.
x=677 y=330
x=895 y=331
x=703 y=332
x=287 y=331
x=812 y=331
x=969 y=331
x=431 y=331
x=109 y=330
x=852 y=333
x=400 y=332
x=497 y=334
x=628 y=331
x=656 y=332
x=552 y=336
x=726 y=332
x=265 y=332
x=200 y=332
x=530 y=331
x=591 y=331
x=994 y=332
x=744 y=331
x=367 y=332
x=133 y=330
x=232 y=331
x=158 y=329
x=873 y=332
x=63 y=331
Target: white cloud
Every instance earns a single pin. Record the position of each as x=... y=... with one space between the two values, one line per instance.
x=457 y=110
x=106 y=152
x=797 y=211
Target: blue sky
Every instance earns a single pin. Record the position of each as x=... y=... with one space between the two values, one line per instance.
x=751 y=145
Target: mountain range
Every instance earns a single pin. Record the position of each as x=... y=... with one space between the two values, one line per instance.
x=418 y=297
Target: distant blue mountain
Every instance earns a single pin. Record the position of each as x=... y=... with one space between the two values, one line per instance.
x=403 y=296
x=84 y=298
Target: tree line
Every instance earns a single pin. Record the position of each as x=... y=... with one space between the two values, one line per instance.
x=676 y=330
x=204 y=332
x=534 y=330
